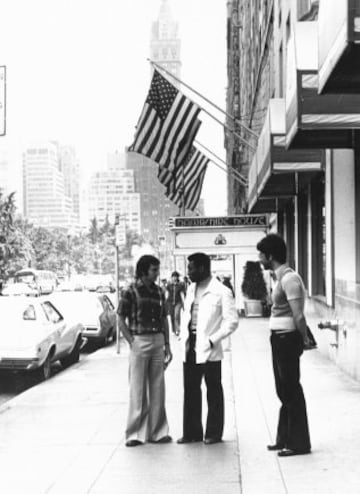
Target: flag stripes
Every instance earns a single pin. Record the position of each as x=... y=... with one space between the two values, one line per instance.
x=167 y=121
x=185 y=188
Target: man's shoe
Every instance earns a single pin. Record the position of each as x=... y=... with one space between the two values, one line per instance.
x=293 y=452
x=212 y=440
x=133 y=442
x=274 y=447
x=163 y=440
x=187 y=440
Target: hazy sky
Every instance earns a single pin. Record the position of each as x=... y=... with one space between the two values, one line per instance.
x=77 y=73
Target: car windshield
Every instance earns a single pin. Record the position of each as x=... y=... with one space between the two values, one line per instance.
x=25 y=278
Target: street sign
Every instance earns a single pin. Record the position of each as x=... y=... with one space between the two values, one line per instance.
x=120 y=233
x=2 y=99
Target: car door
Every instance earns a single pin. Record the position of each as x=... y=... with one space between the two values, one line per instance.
x=59 y=329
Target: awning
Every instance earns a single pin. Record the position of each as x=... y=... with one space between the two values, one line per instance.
x=339 y=46
x=313 y=120
x=273 y=171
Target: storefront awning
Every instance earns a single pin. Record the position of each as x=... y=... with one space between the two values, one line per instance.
x=273 y=171
x=339 y=46
x=313 y=120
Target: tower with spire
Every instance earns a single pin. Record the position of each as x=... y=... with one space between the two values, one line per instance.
x=165 y=45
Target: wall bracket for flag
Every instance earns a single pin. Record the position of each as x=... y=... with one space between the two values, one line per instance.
x=247 y=129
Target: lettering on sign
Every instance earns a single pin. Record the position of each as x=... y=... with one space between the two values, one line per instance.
x=241 y=220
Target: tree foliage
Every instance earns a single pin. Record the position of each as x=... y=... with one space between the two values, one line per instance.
x=253 y=285
x=24 y=245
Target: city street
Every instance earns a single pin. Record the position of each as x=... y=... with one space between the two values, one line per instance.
x=67 y=434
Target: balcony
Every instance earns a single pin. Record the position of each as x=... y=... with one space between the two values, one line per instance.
x=276 y=173
x=339 y=46
x=315 y=120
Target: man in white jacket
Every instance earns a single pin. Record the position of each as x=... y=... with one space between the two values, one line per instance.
x=209 y=317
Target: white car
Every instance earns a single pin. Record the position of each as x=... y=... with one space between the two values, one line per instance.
x=20 y=289
x=34 y=333
x=95 y=311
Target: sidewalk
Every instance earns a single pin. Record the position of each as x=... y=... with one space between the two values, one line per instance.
x=67 y=435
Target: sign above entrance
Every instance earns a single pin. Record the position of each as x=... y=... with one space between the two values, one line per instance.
x=245 y=220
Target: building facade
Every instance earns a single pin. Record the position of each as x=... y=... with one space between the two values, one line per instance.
x=4 y=173
x=44 y=199
x=70 y=168
x=298 y=66
x=112 y=193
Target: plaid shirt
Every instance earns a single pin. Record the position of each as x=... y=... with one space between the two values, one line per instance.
x=143 y=307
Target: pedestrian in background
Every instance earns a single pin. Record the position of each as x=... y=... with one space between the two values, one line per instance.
x=143 y=322
x=209 y=317
x=288 y=340
x=175 y=300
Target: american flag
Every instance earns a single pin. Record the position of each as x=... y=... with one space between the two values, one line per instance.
x=185 y=188
x=167 y=126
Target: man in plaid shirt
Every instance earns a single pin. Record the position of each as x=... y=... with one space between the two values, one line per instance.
x=143 y=322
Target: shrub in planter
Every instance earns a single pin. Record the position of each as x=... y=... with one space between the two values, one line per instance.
x=254 y=289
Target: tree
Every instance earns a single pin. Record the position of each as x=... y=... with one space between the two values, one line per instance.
x=15 y=249
x=253 y=285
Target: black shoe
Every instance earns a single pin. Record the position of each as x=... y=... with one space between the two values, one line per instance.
x=212 y=440
x=163 y=440
x=274 y=447
x=293 y=452
x=186 y=440
x=133 y=442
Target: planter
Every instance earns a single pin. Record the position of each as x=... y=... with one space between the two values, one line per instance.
x=253 y=308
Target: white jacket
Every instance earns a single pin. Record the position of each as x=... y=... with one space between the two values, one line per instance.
x=217 y=318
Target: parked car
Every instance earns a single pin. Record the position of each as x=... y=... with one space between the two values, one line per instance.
x=95 y=311
x=34 y=333
x=20 y=289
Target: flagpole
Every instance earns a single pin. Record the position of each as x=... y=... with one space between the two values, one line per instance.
x=254 y=134
x=233 y=171
x=220 y=122
x=235 y=177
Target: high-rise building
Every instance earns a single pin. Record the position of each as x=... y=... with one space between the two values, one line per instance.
x=112 y=192
x=4 y=173
x=155 y=208
x=69 y=166
x=116 y=161
x=165 y=43
x=45 y=201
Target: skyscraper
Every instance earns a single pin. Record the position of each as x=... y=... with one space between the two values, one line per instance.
x=112 y=192
x=4 y=173
x=45 y=201
x=69 y=166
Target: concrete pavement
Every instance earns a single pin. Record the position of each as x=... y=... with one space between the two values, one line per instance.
x=67 y=434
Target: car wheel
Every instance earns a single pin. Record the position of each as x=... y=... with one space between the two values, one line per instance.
x=44 y=372
x=73 y=357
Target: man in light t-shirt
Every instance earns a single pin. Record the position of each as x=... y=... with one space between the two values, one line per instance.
x=288 y=340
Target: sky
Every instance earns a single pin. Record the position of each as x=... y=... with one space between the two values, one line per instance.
x=77 y=73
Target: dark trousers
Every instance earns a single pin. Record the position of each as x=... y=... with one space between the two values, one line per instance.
x=193 y=374
x=293 y=429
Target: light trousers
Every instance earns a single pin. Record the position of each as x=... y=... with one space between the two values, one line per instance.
x=147 y=416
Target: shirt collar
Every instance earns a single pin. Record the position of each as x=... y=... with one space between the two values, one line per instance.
x=280 y=271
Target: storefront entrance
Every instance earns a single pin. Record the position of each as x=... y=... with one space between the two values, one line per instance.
x=230 y=241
